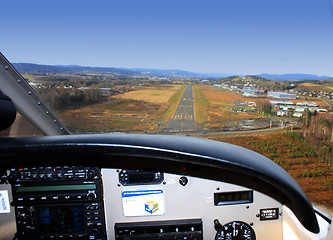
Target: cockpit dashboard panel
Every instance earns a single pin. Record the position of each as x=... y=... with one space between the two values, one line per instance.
x=135 y=187
x=170 y=201
x=71 y=202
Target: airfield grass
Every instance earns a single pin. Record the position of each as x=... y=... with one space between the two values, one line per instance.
x=326 y=85
x=156 y=95
x=172 y=104
x=31 y=78
x=144 y=110
x=113 y=115
x=200 y=101
x=310 y=84
x=211 y=106
x=295 y=156
x=167 y=97
x=218 y=94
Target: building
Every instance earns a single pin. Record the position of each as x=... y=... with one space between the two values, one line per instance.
x=298 y=114
x=282 y=113
x=281 y=95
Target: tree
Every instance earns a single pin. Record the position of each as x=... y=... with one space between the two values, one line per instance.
x=325 y=154
x=306 y=120
x=291 y=112
x=264 y=107
x=326 y=124
x=267 y=108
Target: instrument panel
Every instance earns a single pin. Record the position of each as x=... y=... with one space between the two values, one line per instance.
x=91 y=203
x=242 y=212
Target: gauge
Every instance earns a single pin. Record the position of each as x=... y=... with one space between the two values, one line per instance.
x=235 y=231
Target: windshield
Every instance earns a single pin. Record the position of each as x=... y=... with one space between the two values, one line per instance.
x=253 y=73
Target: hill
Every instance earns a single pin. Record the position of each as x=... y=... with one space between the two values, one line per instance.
x=293 y=77
x=30 y=68
x=169 y=73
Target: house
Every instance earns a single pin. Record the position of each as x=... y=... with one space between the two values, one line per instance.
x=281 y=95
x=281 y=113
x=298 y=114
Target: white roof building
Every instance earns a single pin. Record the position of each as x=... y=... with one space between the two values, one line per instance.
x=281 y=95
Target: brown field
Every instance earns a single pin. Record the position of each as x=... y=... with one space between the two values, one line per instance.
x=141 y=110
x=329 y=86
x=31 y=78
x=312 y=174
x=226 y=96
x=211 y=106
x=109 y=117
x=310 y=85
x=213 y=94
x=156 y=95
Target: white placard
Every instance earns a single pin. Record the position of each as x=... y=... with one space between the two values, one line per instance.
x=4 y=202
x=143 y=202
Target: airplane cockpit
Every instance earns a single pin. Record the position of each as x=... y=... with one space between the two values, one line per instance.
x=139 y=186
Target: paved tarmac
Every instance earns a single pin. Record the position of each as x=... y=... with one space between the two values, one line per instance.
x=183 y=119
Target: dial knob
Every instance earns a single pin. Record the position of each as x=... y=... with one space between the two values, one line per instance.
x=235 y=230
x=183 y=181
x=13 y=176
x=91 y=196
x=94 y=232
x=92 y=172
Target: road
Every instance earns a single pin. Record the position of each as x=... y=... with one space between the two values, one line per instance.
x=183 y=119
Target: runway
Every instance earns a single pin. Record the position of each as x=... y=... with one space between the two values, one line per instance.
x=183 y=119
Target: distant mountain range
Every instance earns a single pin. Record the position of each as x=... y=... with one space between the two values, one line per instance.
x=167 y=73
x=30 y=68
x=293 y=77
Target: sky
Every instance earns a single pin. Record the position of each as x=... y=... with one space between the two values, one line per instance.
x=204 y=36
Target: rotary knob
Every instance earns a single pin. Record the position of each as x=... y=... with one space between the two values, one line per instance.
x=94 y=233
x=91 y=196
x=92 y=172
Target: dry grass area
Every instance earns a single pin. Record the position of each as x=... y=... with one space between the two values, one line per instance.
x=215 y=95
x=310 y=85
x=328 y=85
x=211 y=106
x=156 y=95
x=225 y=96
x=297 y=158
x=115 y=115
x=218 y=112
x=110 y=117
x=325 y=85
x=31 y=78
x=140 y=110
